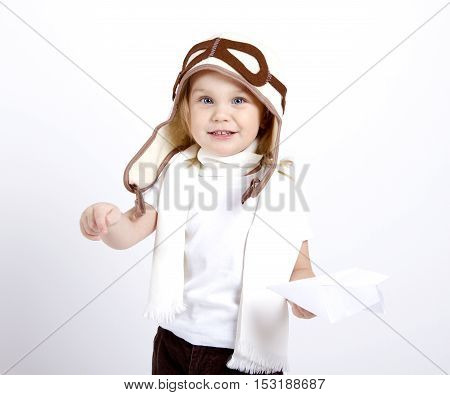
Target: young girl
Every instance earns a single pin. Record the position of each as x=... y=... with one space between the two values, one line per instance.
x=206 y=182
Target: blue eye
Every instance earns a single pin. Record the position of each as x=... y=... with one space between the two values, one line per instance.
x=204 y=98
x=243 y=100
x=208 y=98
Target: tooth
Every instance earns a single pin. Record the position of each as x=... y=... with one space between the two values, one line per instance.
x=221 y=133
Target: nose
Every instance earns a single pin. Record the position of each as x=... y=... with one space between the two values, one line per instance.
x=221 y=114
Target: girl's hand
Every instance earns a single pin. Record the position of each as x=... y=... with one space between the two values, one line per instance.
x=300 y=312
x=96 y=219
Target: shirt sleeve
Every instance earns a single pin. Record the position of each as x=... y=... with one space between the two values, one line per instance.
x=301 y=210
x=307 y=230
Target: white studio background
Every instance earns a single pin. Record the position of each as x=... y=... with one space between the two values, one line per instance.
x=377 y=185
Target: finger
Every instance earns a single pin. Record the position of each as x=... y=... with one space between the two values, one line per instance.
x=299 y=311
x=99 y=218
x=111 y=218
x=91 y=225
x=86 y=230
x=298 y=315
x=303 y=313
x=296 y=311
x=308 y=313
x=297 y=308
x=84 y=221
x=86 y=234
x=302 y=310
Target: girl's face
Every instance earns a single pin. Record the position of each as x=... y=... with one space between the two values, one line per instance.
x=220 y=103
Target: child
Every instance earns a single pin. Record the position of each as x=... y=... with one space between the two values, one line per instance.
x=215 y=251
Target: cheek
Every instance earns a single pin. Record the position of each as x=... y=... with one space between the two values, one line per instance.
x=196 y=118
x=196 y=125
x=254 y=120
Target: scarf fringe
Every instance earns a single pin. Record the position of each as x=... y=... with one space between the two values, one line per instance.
x=164 y=315
x=246 y=358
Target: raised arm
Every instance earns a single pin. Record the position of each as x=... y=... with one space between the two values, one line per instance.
x=104 y=221
x=130 y=230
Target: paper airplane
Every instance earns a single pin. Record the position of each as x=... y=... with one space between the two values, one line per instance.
x=333 y=300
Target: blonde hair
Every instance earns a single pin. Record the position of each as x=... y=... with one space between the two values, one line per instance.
x=181 y=135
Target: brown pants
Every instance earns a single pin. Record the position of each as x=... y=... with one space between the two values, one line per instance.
x=174 y=355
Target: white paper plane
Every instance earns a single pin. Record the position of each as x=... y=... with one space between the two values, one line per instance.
x=324 y=297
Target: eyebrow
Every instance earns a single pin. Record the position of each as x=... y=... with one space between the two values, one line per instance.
x=206 y=91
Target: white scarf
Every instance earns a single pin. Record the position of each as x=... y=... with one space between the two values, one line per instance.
x=236 y=165
x=262 y=326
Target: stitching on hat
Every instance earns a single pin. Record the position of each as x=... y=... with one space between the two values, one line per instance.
x=214 y=47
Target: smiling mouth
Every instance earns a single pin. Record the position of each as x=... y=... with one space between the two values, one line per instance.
x=222 y=132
